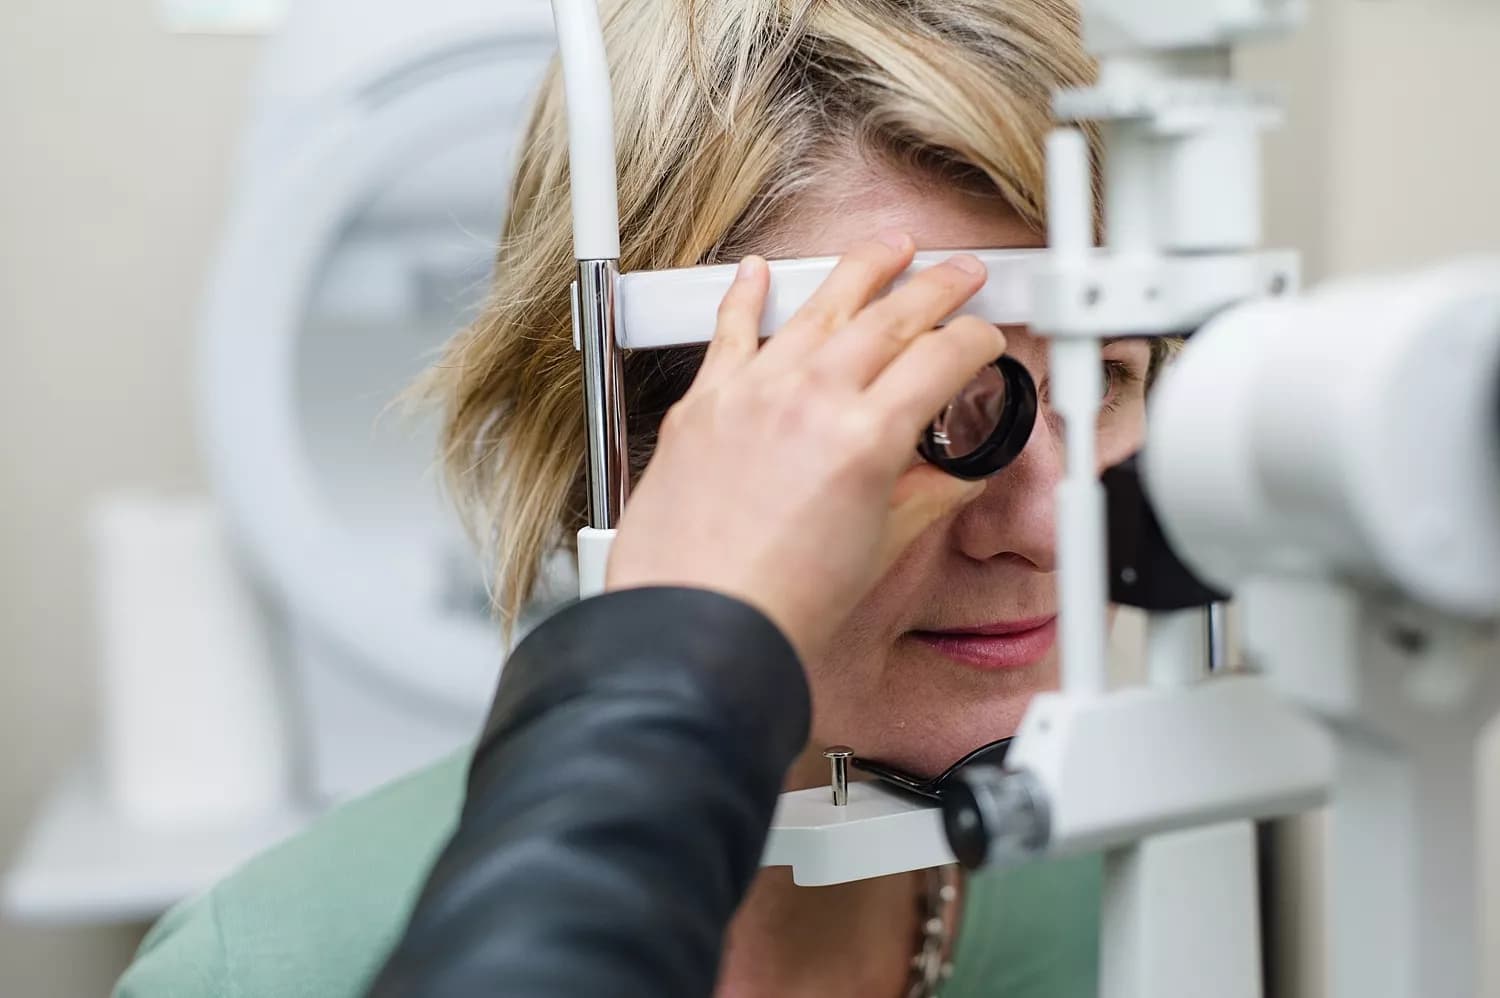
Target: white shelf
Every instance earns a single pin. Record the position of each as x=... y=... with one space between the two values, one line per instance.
x=83 y=862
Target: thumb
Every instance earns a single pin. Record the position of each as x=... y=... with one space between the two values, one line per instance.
x=923 y=496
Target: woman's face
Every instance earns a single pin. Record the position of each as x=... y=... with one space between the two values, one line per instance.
x=945 y=653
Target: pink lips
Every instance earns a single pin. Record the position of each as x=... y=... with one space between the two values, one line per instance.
x=1012 y=644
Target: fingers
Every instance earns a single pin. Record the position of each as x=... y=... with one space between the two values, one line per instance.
x=924 y=495
x=857 y=353
x=928 y=373
x=737 y=331
x=861 y=274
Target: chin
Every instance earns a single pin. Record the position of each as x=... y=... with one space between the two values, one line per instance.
x=931 y=712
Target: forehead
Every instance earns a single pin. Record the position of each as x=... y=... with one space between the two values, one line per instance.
x=854 y=200
x=857 y=199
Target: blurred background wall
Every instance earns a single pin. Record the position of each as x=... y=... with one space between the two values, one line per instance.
x=116 y=140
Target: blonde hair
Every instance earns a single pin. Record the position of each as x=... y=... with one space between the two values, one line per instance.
x=725 y=111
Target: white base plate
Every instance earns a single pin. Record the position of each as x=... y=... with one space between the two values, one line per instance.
x=878 y=833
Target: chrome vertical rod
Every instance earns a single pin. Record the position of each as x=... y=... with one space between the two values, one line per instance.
x=603 y=393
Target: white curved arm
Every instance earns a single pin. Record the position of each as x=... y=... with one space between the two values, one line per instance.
x=591 y=130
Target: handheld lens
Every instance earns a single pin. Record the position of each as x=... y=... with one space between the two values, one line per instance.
x=986 y=425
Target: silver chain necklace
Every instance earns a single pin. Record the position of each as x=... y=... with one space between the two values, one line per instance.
x=938 y=910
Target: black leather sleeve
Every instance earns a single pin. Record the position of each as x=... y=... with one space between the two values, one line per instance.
x=617 y=805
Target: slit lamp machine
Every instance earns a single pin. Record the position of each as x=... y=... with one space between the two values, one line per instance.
x=1330 y=459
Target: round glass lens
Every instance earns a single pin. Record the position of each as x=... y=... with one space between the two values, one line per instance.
x=972 y=417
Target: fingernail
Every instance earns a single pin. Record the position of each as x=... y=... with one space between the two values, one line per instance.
x=747 y=268
x=895 y=239
x=968 y=264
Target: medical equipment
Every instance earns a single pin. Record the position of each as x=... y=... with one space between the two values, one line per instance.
x=1283 y=462
x=368 y=194
x=363 y=227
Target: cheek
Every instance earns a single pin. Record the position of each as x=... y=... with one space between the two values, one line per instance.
x=905 y=585
x=887 y=611
x=1122 y=432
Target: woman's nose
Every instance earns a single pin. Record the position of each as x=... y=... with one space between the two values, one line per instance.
x=1014 y=517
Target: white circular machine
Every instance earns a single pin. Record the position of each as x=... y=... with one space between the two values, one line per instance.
x=361 y=237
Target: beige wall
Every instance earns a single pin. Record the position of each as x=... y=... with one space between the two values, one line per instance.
x=115 y=142
x=1383 y=96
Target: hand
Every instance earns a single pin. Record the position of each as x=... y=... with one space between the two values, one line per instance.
x=785 y=476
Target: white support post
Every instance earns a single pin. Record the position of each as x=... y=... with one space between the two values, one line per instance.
x=1181 y=910
x=1180 y=917
x=1176 y=647
x=1403 y=869
x=1409 y=692
x=1077 y=382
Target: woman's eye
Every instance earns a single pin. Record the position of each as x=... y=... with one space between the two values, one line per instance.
x=1119 y=379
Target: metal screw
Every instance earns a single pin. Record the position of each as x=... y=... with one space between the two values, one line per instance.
x=838 y=757
x=1091 y=296
x=1278 y=284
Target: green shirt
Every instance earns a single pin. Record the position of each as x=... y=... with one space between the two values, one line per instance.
x=316 y=916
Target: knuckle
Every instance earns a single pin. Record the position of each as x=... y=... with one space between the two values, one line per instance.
x=780 y=395
x=946 y=283
x=895 y=429
x=862 y=433
x=793 y=415
x=969 y=327
x=808 y=381
x=673 y=420
x=819 y=313
x=883 y=254
x=886 y=321
x=895 y=334
x=734 y=305
x=975 y=334
x=868 y=256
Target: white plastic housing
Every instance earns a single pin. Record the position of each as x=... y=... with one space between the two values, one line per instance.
x=1350 y=434
x=593 y=559
x=1147 y=760
x=1211 y=189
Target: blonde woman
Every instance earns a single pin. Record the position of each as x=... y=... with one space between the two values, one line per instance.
x=920 y=609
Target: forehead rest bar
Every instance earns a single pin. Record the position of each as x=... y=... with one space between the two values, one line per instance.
x=666 y=308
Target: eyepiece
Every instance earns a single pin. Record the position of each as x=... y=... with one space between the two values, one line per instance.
x=986 y=425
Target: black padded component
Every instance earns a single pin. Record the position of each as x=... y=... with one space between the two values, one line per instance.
x=1144 y=571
